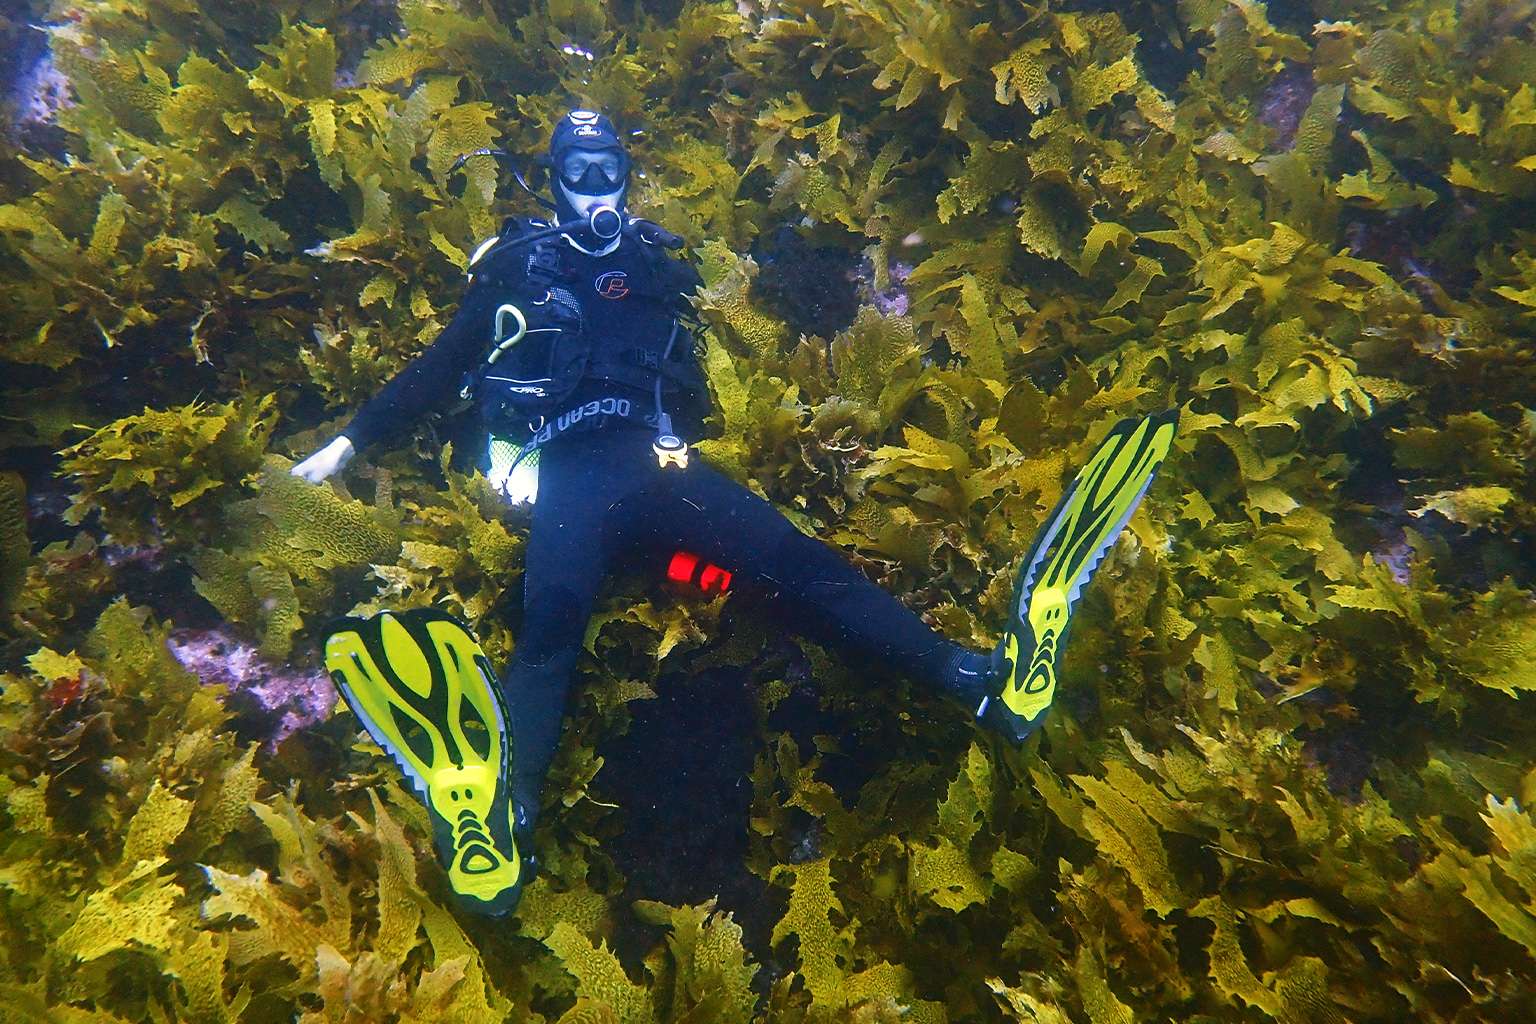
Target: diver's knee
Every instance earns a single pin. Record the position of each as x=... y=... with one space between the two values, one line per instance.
x=809 y=566
x=554 y=623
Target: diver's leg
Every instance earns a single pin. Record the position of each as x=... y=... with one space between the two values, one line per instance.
x=1012 y=687
x=564 y=565
x=728 y=524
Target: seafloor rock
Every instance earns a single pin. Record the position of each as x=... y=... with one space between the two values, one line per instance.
x=276 y=700
x=1283 y=102
x=812 y=289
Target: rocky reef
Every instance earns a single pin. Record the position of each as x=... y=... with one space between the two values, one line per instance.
x=1289 y=774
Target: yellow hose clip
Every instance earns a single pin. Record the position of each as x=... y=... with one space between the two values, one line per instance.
x=670 y=451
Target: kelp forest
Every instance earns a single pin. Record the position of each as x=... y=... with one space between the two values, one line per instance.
x=946 y=246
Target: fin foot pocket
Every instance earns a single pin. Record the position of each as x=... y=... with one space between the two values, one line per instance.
x=1078 y=533
x=424 y=690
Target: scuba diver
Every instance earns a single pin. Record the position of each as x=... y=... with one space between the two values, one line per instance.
x=572 y=338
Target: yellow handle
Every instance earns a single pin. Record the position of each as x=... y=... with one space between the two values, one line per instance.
x=502 y=342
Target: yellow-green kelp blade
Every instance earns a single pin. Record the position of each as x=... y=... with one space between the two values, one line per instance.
x=1091 y=514
x=426 y=693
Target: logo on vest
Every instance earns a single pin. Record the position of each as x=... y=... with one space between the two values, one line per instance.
x=568 y=419
x=613 y=285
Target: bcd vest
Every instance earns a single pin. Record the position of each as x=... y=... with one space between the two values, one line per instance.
x=588 y=318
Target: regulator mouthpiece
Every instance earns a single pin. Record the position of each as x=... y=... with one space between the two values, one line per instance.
x=606 y=223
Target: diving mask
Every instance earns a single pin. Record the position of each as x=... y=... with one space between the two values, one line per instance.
x=594 y=172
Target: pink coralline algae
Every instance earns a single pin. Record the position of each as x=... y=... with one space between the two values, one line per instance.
x=894 y=300
x=41 y=93
x=1396 y=559
x=291 y=698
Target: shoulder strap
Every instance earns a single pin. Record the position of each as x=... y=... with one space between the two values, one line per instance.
x=512 y=229
x=673 y=276
x=544 y=263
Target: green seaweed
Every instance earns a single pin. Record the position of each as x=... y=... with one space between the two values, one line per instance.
x=162 y=473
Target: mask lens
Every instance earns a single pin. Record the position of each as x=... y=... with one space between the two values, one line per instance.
x=592 y=171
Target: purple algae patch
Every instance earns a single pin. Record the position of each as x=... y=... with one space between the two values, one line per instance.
x=276 y=699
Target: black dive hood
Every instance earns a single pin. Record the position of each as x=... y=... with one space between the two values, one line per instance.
x=583 y=186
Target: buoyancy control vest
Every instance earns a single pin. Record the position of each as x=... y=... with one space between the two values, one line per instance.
x=583 y=318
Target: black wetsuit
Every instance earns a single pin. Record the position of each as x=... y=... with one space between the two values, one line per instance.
x=602 y=495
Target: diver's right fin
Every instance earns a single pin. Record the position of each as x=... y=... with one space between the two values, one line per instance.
x=425 y=691
x=1090 y=515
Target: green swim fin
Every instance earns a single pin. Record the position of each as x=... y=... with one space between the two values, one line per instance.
x=425 y=691
x=1086 y=521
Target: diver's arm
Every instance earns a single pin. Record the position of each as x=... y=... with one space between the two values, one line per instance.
x=427 y=382
x=326 y=461
x=432 y=378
